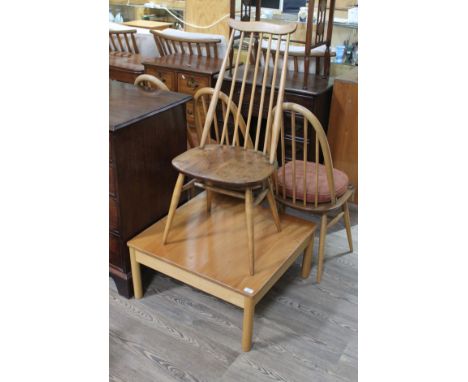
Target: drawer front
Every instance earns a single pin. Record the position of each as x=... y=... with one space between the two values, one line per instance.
x=115 y=251
x=113 y=215
x=165 y=76
x=112 y=185
x=190 y=84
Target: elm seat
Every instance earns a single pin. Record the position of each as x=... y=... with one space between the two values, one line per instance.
x=225 y=165
x=324 y=195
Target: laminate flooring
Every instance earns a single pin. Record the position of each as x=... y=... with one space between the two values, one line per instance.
x=303 y=331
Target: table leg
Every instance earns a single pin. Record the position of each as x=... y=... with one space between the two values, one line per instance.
x=307 y=259
x=247 y=326
x=136 y=275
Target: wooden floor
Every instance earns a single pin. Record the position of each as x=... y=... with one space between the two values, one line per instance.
x=303 y=331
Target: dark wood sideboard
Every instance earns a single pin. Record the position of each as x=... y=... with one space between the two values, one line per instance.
x=146 y=131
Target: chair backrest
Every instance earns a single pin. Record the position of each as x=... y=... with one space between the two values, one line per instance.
x=149 y=82
x=255 y=32
x=202 y=99
x=123 y=41
x=318 y=39
x=170 y=44
x=299 y=152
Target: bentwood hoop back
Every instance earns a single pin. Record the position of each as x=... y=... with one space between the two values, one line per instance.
x=304 y=183
x=234 y=157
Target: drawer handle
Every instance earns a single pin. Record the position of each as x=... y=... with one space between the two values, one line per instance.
x=191 y=83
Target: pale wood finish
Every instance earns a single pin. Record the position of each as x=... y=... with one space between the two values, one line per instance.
x=147 y=82
x=201 y=99
x=307 y=259
x=174 y=201
x=123 y=42
x=136 y=275
x=302 y=332
x=247 y=324
x=321 y=147
x=233 y=165
x=168 y=44
x=148 y=24
x=206 y=251
x=206 y=12
x=343 y=126
x=250 y=229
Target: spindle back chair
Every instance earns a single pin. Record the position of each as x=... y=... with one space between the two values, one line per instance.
x=202 y=98
x=149 y=82
x=305 y=184
x=228 y=164
x=123 y=42
x=168 y=44
x=318 y=41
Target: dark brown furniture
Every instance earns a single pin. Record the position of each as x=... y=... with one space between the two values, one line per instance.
x=168 y=44
x=124 y=56
x=316 y=97
x=318 y=33
x=185 y=74
x=146 y=130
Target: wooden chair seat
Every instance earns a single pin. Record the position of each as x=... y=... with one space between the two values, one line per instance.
x=288 y=175
x=233 y=167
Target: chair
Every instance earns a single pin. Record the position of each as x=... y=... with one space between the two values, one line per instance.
x=123 y=42
x=305 y=184
x=170 y=43
x=124 y=58
x=317 y=40
x=148 y=82
x=234 y=164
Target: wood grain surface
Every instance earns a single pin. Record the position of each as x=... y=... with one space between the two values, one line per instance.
x=303 y=331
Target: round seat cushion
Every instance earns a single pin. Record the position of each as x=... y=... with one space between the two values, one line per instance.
x=340 y=178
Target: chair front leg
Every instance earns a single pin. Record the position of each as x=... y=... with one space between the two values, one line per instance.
x=274 y=210
x=250 y=229
x=174 y=202
x=323 y=234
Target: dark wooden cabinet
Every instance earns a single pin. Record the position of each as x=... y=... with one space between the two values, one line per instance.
x=146 y=131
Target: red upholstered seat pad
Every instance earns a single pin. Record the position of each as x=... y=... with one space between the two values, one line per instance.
x=340 y=178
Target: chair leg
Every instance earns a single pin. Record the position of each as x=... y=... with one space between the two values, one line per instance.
x=347 y=222
x=273 y=207
x=250 y=229
x=174 y=202
x=209 y=198
x=323 y=234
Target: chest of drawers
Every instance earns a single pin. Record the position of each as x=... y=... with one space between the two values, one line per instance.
x=185 y=74
x=146 y=131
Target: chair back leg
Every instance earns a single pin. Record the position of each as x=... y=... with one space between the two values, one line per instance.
x=250 y=229
x=323 y=235
x=348 y=226
x=174 y=202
